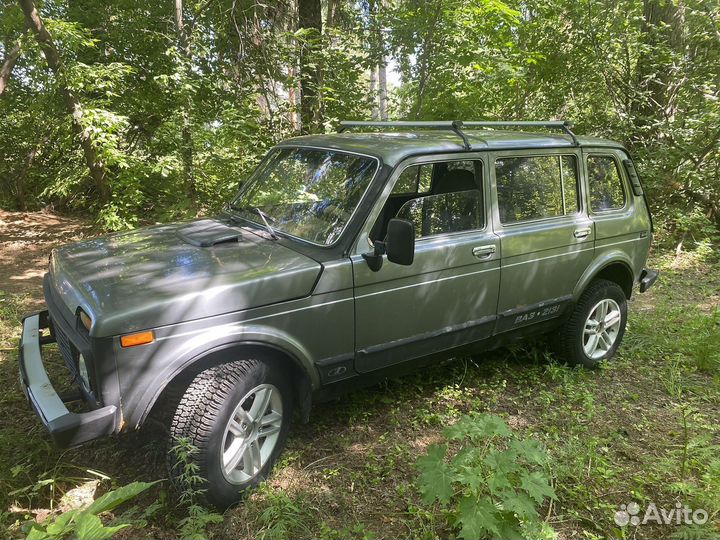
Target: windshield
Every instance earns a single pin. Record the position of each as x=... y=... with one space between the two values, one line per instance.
x=306 y=192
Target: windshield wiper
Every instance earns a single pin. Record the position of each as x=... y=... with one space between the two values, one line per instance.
x=263 y=216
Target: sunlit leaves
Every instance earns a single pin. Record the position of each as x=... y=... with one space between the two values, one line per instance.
x=493 y=484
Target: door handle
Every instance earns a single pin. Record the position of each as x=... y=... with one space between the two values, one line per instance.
x=483 y=252
x=582 y=233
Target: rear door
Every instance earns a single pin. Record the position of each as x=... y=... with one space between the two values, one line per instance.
x=545 y=233
x=621 y=219
x=448 y=296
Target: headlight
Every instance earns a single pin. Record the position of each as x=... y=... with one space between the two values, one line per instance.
x=82 y=368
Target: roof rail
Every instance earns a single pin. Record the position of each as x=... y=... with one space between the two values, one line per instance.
x=563 y=125
x=453 y=125
x=457 y=125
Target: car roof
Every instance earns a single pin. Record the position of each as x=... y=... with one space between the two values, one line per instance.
x=394 y=146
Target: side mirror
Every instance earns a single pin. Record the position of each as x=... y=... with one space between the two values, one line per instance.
x=399 y=245
x=400 y=242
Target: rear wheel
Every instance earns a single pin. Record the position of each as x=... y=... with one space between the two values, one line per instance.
x=596 y=326
x=236 y=416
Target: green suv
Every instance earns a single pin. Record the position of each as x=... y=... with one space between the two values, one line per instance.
x=345 y=258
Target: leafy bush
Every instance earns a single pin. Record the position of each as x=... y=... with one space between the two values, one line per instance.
x=85 y=524
x=702 y=343
x=493 y=485
x=194 y=525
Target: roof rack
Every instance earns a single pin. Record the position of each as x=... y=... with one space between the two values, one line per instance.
x=457 y=125
x=453 y=125
x=564 y=125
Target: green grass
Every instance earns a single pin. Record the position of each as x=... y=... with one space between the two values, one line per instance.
x=642 y=428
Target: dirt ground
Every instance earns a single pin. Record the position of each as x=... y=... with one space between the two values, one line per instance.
x=26 y=239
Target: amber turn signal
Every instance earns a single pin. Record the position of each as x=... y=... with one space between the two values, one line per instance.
x=85 y=320
x=141 y=338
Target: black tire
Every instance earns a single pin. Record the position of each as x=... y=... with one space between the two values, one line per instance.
x=571 y=337
x=201 y=419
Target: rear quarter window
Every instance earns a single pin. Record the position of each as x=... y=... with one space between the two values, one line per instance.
x=605 y=182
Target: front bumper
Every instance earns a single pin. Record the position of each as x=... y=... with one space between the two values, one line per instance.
x=66 y=428
x=647 y=278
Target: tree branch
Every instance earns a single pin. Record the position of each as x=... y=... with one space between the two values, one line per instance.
x=8 y=65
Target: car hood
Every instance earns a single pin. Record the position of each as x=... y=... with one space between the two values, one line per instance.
x=161 y=275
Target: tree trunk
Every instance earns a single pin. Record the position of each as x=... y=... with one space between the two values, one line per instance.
x=8 y=65
x=72 y=104
x=310 y=19
x=294 y=98
x=373 y=93
x=662 y=28
x=424 y=63
x=379 y=45
x=332 y=9
x=382 y=90
x=187 y=151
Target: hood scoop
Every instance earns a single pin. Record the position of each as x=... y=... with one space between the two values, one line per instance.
x=208 y=233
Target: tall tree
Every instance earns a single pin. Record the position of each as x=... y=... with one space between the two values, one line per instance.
x=382 y=90
x=186 y=149
x=8 y=64
x=375 y=114
x=378 y=56
x=72 y=103
x=310 y=24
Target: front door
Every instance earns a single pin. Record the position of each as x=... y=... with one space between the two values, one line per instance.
x=448 y=296
x=545 y=234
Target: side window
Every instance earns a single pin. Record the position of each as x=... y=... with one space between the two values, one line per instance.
x=606 y=189
x=455 y=204
x=425 y=179
x=445 y=213
x=536 y=187
x=415 y=179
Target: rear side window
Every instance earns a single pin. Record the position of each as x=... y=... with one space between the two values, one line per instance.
x=536 y=187
x=606 y=189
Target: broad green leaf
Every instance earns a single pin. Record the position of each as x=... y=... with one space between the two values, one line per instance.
x=536 y=485
x=501 y=462
x=435 y=475
x=478 y=427
x=530 y=450
x=519 y=504
x=510 y=530
x=478 y=518
x=497 y=482
x=118 y=496
x=90 y=527
x=61 y=524
x=38 y=533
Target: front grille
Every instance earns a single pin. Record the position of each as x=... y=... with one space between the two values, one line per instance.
x=69 y=352
x=71 y=343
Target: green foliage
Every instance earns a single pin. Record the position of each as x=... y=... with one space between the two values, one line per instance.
x=85 y=524
x=704 y=347
x=179 y=127
x=493 y=484
x=282 y=517
x=194 y=524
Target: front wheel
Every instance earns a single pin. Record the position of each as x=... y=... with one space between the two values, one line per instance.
x=596 y=326
x=236 y=419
